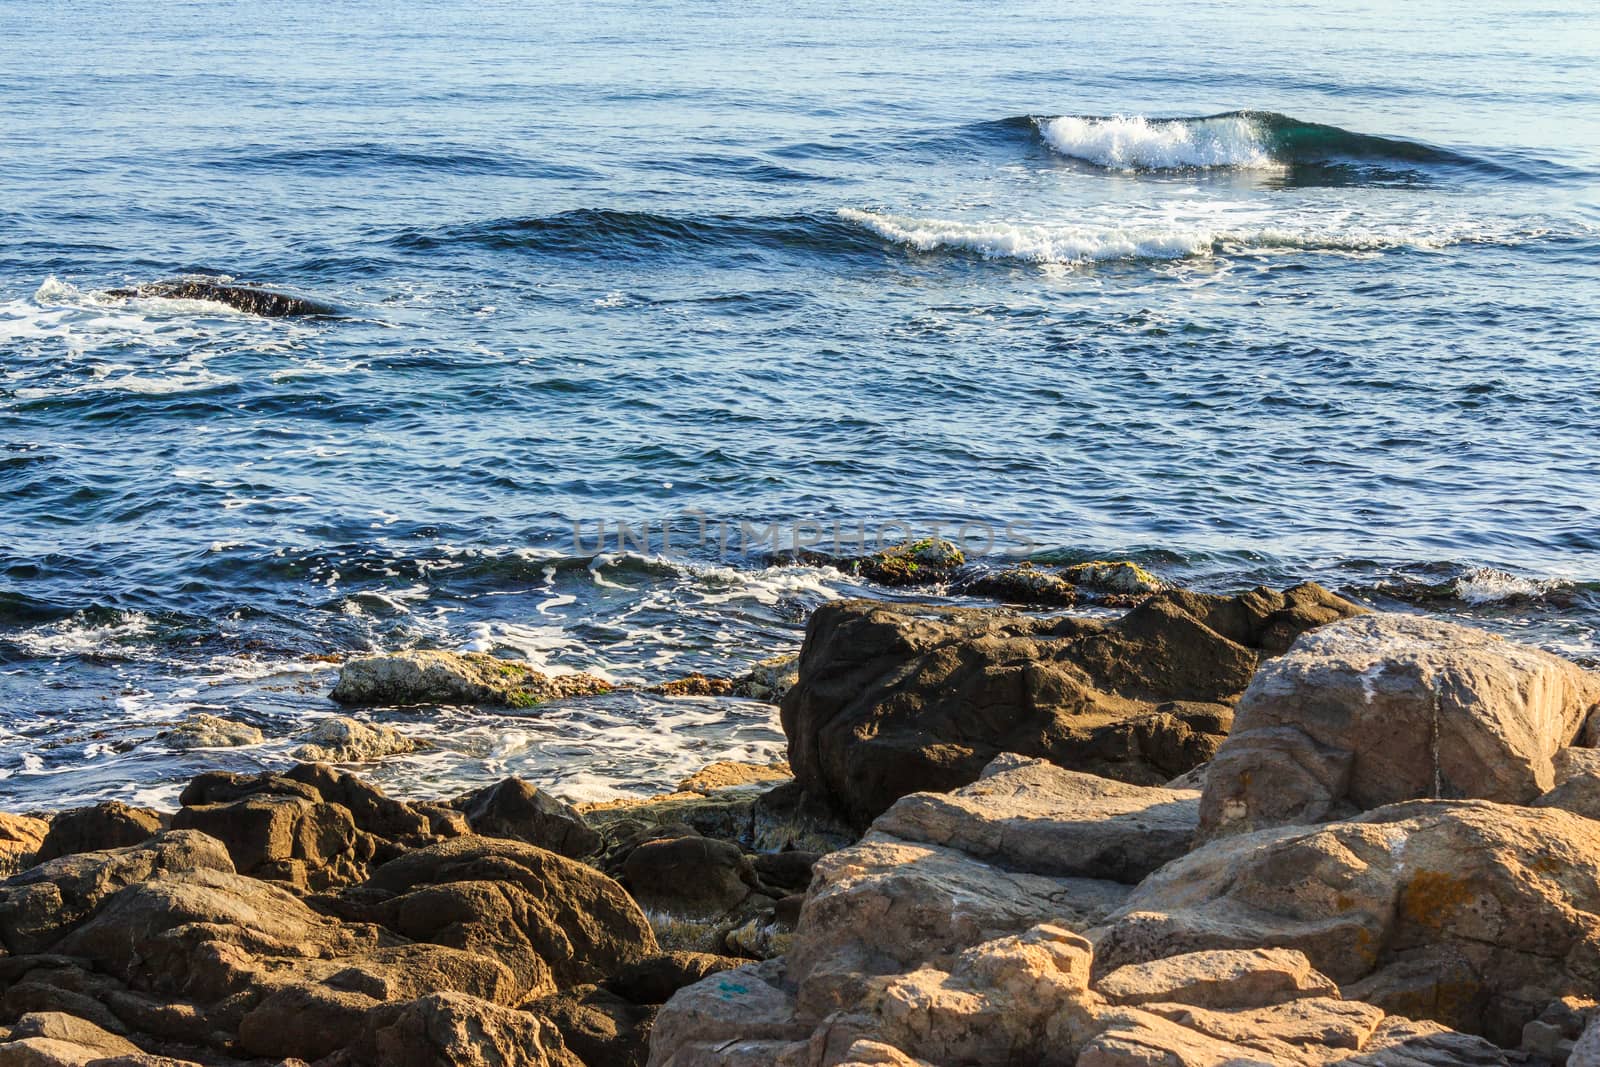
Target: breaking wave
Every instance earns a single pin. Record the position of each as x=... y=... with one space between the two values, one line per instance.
x=1242 y=140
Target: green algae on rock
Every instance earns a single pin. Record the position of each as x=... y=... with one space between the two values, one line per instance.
x=435 y=677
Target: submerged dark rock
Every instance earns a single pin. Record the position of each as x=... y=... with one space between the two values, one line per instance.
x=246 y=298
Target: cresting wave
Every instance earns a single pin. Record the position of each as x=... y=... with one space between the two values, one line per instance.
x=1241 y=140
x=1072 y=245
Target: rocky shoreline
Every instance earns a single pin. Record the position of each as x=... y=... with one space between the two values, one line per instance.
x=1273 y=828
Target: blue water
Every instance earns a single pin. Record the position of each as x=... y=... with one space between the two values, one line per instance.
x=1249 y=292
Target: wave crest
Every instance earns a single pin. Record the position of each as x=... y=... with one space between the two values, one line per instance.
x=1035 y=242
x=1137 y=143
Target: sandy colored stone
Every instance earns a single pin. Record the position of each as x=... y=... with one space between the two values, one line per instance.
x=1226 y=978
x=1379 y=709
x=340 y=739
x=1030 y=815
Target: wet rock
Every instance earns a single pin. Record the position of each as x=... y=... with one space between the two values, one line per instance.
x=516 y=809
x=262 y=302
x=210 y=731
x=1121 y=576
x=689 y=877
x=898 y=698
x=1022 y=584
x=769 y=679
x=432 y=677
x=694 y=685
x=1469 y=913
x=1386 y=708
x=109 y=824
x=20 y=837
x=1030 y=815
x=340 y=739
x=929 y=561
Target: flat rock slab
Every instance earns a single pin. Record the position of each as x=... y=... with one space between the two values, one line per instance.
x=1030 y=815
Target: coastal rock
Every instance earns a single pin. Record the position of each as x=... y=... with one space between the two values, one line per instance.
x=109 y=824
x=210 y=731
x=897 y=698
x=245 y=298
x=1022 y=584
x=730 y=774
x=928 y=561
x=1030 y=815
x=1385 y=708
x=886 y=906
x=1579 y=794
x=40 y=905
x=52 y=1037
x=1119 y=576
x=597 y=1026
x=1472 y=914
x=20 y=837
x=769 y=679
x=452 y=1030
x=694 y=685
x=654 y=979
x=313 y=826
x=434 y=677
x=688 y=876
x=515 y=809
x=340 y=739
x=911 y=953
x=1236 y=978
x=556 y=923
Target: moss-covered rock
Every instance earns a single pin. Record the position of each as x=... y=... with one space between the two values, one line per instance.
x=434 y=677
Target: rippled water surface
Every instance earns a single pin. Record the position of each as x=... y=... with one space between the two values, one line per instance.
x=1249 y=292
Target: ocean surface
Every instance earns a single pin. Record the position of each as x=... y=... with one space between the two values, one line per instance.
x=1248 y=292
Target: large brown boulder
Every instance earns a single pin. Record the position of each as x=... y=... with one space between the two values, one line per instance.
x=40 y=905
x=521 y=811
x=311 y=827
x=897 y=698
x=556 y=923
x=20 y=838
x=1386 y=708
x=109 y=824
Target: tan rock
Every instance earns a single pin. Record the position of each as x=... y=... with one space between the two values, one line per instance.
x=726 y=774
x=341 y=739
x=20 y=837
x=1379 y=709
x=1236 y=978
x=1475 y=914
x=1030 y=815
x=886 y=906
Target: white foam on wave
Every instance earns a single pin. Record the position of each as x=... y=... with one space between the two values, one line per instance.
x=74 y=637
x=1169 y=236
x=1132 y=142
x=1485 y=585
